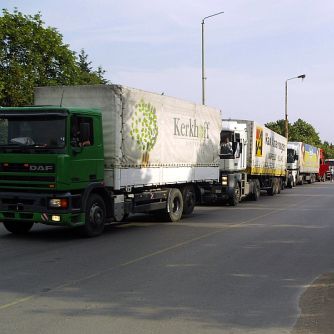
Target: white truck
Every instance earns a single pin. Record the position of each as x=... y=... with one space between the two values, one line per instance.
x=253 y=158
x=303 y=163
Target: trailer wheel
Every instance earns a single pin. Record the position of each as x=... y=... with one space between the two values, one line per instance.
x=235 y=199
x=283 y=183
x=271 y=190
x=189 y=199
x=256 y=191
x=95 y=216
x=174 y=205
x=279 y=186
x=18 y=227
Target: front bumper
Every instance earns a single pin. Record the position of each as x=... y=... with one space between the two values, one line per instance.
x=32 y=207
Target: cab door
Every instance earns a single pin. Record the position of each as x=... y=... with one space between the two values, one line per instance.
x=84 y=168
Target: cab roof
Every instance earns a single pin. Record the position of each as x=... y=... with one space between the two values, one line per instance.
x=51 y=110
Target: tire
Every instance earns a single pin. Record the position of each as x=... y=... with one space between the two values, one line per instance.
x=189 y=199
x=122 y=219
x=174 y=205
x=18 y=227
x=283 y=184
x=273 y=190
x=95 y=216
x=235 y=199
x=256 y=191
x=279 y=186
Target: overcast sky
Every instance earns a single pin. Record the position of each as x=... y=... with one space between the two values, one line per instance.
x=250 y=51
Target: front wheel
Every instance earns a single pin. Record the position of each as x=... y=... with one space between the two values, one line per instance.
x=95 y=216
x=235 y=199
x=18 y=227
x=189 y=199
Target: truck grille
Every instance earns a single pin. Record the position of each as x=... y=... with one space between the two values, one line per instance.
x=27 y=175
x=27 y=178
x=27 y=168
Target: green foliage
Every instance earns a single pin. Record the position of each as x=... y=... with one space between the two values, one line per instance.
x=34 y=55
x=278 y=126
x=304 y=132
x=3 y=131
x=298 y=131
x=328 y=150
x=144 y=127
x=86 y=75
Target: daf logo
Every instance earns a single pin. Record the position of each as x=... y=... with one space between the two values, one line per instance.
x=40 y=168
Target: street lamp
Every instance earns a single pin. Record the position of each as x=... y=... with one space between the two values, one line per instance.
x=302 y=76
x=203 y=73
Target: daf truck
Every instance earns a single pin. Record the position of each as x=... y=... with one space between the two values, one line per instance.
x=252 y=159
x=84 y=156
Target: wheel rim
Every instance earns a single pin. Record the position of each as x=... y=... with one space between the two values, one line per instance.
x=176 y=205
x=96 y=215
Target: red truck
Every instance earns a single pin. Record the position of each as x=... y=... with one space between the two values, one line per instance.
x=324 y=166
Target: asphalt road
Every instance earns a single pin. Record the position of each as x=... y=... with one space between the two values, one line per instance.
x=245 y=269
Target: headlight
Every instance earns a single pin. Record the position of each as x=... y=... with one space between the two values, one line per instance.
x=58 y=203
x=224 y=180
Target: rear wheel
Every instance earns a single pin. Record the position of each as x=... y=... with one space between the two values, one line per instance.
x=189 y=199
x=256 y=191
x=174 y=205
x=18 y=227
x=279 y=186
x=273 y=189
x=95 y=216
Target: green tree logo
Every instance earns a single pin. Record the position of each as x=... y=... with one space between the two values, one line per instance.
x=144 y=128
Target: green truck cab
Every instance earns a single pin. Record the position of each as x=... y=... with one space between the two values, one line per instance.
x=51 y=168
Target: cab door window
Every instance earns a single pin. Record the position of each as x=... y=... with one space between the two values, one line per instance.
x=82 y=131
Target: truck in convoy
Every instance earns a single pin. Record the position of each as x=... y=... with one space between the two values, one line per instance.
x=330 y=165
x=253 y=158
x=323 y=167
x=84 y=156
x=303 y=163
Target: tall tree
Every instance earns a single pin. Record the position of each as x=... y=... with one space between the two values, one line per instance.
x=328 y=149
x=278 y=126
x=34 y=55
x=298 y=131
x=86 y=74
x=305 y=132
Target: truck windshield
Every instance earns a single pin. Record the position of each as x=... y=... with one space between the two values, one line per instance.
x=330 y=162
x=37 y=133
x=291 y=155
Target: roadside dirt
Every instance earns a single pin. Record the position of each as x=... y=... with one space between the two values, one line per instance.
x=317 y=307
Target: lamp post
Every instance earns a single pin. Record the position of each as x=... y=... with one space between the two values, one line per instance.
x=203 y=71
x=302 y=76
